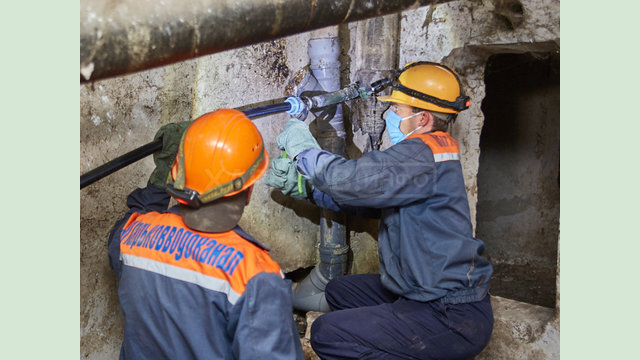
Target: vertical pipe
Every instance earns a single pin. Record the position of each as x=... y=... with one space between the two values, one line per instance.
x=324 y=50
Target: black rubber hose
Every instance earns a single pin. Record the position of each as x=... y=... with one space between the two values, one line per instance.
x=120 y=162
x=156 y=145
x=267 y=110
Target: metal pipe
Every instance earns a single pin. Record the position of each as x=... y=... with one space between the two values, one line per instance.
x=118 y=37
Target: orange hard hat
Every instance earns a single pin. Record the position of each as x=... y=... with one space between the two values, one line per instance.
x=429 y=86
x=221 y=154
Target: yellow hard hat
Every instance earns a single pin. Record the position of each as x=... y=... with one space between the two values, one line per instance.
x=429 y=86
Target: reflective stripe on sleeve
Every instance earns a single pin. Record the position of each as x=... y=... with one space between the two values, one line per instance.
x=446 y=157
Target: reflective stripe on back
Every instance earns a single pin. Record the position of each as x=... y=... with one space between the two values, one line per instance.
x=443 y=146
x=163 y=244
x=179 y=273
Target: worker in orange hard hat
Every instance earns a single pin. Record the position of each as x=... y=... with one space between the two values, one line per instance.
x=192 y=283
x=220 y=158
x=430 y=300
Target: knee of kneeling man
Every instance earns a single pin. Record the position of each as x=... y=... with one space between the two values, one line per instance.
x=317 y=326
x=320 y=331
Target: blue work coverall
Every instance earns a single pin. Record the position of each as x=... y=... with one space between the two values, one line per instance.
x=187 y=294
x=430 y=300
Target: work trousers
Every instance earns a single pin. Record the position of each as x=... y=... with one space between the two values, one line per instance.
x=369 y=322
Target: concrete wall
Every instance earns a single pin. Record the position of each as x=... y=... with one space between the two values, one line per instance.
x=118 y=115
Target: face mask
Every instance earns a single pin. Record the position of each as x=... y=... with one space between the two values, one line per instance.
x=393 y=126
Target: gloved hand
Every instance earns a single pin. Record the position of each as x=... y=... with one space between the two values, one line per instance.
x=283 y=175
x=296 y=138
x=171 y=135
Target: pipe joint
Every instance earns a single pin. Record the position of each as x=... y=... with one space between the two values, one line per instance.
x=298 y=105
x=309 y=294
x=333 y=255
x=333 y=260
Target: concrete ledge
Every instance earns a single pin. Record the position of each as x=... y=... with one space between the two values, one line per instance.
x=520 y=331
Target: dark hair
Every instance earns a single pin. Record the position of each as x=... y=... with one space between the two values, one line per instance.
x=441 y=121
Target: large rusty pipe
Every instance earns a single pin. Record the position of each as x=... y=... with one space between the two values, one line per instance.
x=118 y=37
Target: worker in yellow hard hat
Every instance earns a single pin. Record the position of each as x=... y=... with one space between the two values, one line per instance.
x=192 y=283
x=423 y=94
x=430 y=300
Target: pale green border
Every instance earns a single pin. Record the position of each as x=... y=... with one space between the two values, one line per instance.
x=40 y=143
x=600 y=185
x=599 y=190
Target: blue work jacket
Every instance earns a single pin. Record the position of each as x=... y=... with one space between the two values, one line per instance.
x=425 y=242
x=187 y=294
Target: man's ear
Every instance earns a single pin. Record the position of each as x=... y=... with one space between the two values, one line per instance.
x=426 y=120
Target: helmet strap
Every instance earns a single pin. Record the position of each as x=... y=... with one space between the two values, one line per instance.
x=179 y=181
x=461 y=103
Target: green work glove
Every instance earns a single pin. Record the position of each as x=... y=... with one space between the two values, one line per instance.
x=283 y=175
x=171 y=135
x=296 y=138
